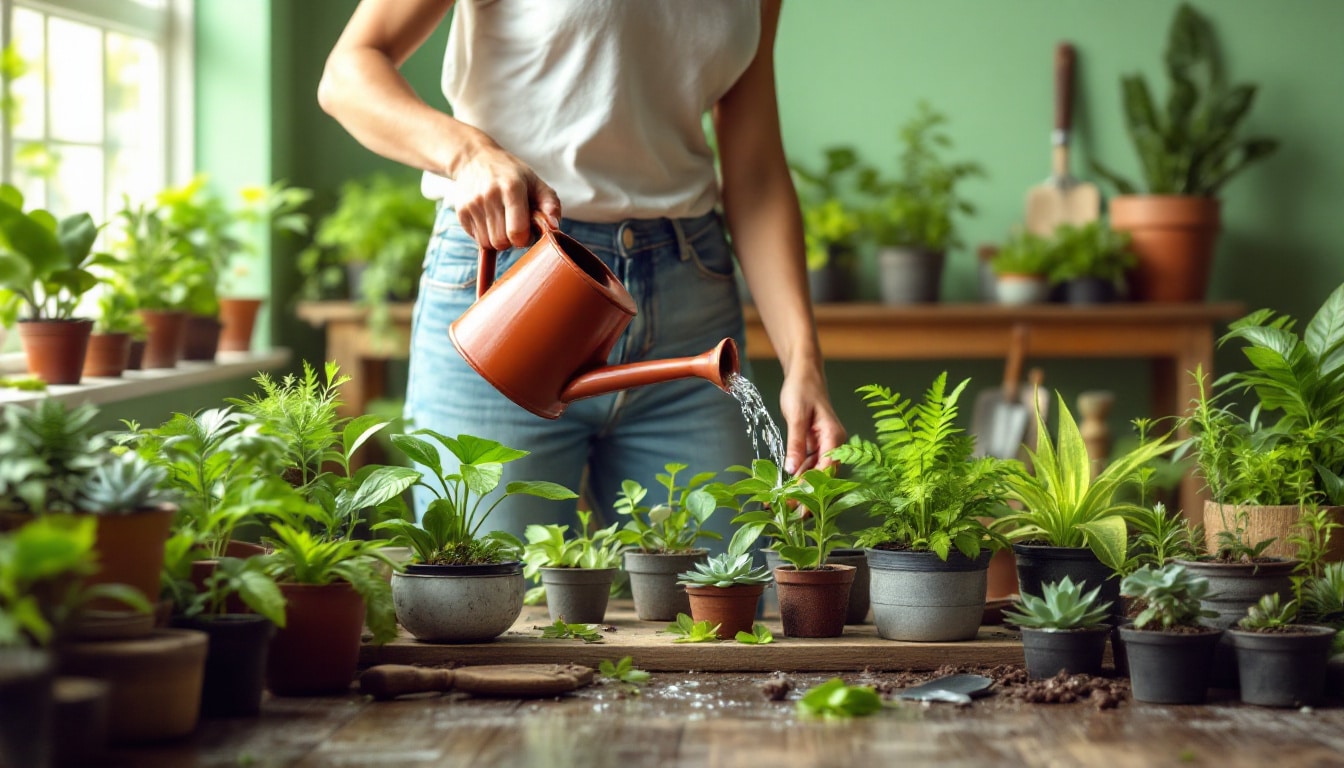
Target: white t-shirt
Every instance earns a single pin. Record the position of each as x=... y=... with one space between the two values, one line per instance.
x=602 y=98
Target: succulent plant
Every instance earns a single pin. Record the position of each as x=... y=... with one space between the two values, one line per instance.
x=726 y=570
x=1170 y=596
x=1269 y=614
x=1062 y=605
x=122 y=485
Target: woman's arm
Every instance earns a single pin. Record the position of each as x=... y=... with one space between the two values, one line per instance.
x=362 y=88
x=761 y=206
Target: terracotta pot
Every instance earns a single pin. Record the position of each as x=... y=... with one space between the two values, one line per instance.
x=200 y=337
x=55 y=348
x=163 y=342
x=1263 y=523
x=130 y=551
x=108 y=354
x=135 y=360
x=316 y=652
x=1173 y=238
x=1001 y=578
x=732 y=608
x=814 y=603
x=238 y=318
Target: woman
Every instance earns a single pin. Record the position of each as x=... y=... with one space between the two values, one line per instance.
x=589 y=111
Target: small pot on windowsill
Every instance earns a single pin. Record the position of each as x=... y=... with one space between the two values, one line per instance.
x=1020 y=289
x=55 y=348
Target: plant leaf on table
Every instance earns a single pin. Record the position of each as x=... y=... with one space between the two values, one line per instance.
x=759 y=635
x=688 y=630
x=834 y=700
x=561 y=631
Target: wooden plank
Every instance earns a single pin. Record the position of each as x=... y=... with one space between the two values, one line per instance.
x=857 y=649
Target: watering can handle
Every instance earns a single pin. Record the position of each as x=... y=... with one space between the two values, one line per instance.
x=485 y=275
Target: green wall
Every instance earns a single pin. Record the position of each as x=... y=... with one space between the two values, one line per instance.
x=851 y=72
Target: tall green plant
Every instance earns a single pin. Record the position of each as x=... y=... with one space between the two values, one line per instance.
x=674 y=525
x=813 y=537
x=44 y=263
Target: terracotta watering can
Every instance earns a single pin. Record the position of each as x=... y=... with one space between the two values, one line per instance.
x=541 y=334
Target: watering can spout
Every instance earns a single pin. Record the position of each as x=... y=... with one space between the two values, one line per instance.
x=715 y=366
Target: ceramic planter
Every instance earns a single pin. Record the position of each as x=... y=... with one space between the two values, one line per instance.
x=1090 y=290
x=26 y=706
x=458 y=603
x=130 y=551
x=1274 y=522
x=733 y=608
x=154 y=682
x=1039 y=564
x=237 y=318
x=163 y=337
x=578 y=595
x=107 y=355
x=200 y=337
x=1173 y=238
x=909 y=275
x=653 y=581
x=1170 y=667
x=1077 y=651
x=55 y=348
x=235 y=666
x=1282 y=669
x=1235 y=587
x=1018 y=290
x=918 y=597
x=316 y=652
x=814 y=603
x=859 y=592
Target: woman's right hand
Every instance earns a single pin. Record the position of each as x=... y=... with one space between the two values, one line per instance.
x=495 y=194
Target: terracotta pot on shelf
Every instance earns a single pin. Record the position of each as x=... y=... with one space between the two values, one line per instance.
x=1173 y=237
x=733 y=608
x=108 y=354
x=200 y=337
x=316 y=652
x=238 y=317
x=163 y=342
x=55 y=348
x=135 y=357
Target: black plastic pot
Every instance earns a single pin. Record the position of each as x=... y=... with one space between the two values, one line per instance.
x=1077 y=651
x=1089 y=290
x=235 y=664
x=1039 y=564
x=1170 y=667
x=1233 y=589
x=1282 y=669
x=831 y=283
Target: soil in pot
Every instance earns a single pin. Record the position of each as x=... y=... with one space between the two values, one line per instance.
x=1049 y=652
x=733 y=609
x=458 y=603
x=107 y=355
x=26 y=706
x=316 y=652
x=653 y=582
x=235 y=666
x=1170 y=667
x=578 y=595
x=1284 y=668
x=55 y=349
x=814 y=603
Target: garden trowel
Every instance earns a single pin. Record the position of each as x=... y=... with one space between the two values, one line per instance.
x=1000 y=418
x=1062 y=199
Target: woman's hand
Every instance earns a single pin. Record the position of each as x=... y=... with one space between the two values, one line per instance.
x=813 y=428
x=495 y=194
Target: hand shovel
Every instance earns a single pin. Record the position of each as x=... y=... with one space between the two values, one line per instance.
x=1062 y=199
x=1001 y=417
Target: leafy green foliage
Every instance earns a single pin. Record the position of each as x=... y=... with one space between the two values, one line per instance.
x=812 y=538
x=561 y=631
x=674 y=525
x=44 y=263
x=759 y=635
x=1024 y=253
x=1062 y=605
x=1191 y=147
x=1269 y=613
x=725 y=570
x=1311 y=537
x=1160 y=537
x=1169 y=595
x=48 y=452
x=765 y=494
x=1090 y=250
x=834 y=700
x=23 y=383
x=688 y=630
x=299 y=557
x=245 y=577
x=919 y=477
x=831 y=223
x=116 y=312
x=147 y=266
x=1322 y=597
x=547 y=547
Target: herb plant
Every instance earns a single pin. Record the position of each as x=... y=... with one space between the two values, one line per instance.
x=1169 y=595
x=725 y=570
x=832 y=225
x=299 y=557
x=1160 y=537
x=834 y=700
x=1269 y=614
x=1090 y=250
x=245 y=577
x=547 y=547
x=147 y=266
x=1024 y=254
x=811 y=539
x=1322 y=597
x=674 y=525
x=688 y=630
x=768 y=490
x=759 y=635
x=1062 y=605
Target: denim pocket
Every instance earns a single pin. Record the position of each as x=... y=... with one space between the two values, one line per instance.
x=452 y=260
x=709 y=252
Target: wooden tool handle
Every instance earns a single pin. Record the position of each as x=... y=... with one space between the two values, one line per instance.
x=1012 y=373
x=1064 y=59
x=388 y=681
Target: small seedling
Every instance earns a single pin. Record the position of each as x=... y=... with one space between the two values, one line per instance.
x=23 y=384
x=623 y=671
x=834 y=700
x=561 y=631
x=689 y=631
x=758 y=635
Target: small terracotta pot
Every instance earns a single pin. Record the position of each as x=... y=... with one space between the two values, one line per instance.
x=1173 y=238
x=135 y=360
x=316 y=652
x=1263 y=523
x=200 y=337
x=732 y=608
x=56 y=348
x=163 y=342
x=814 y=603
x=130 y=551
x=108 y=354
x=238 y=318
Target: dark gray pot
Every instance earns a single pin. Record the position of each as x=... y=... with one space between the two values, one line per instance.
x=653 y=582
x=1281 y=669
x=1089 y=290
x=26 y=705
x=1169 y=667
x=1039 y=564
x=235 y=663
x=831 y=283
x=1076 y=651
x=918 y=597
x=1233 y=589
x=578 y=595
x=909 y=275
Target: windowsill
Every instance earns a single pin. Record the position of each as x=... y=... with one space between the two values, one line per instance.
x=134 y=384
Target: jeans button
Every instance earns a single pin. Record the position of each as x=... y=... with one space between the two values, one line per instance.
x=628 y=238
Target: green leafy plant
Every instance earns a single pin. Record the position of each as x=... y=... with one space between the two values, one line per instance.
x=1322 y=597
x=1311 y=537
x=123 y=484
x=48 y=451
x=725 y=570
x=146 y=264
x=44 y=263
x=1160 y=537
x=1191 y=147
x=452 y=521
x=561 y=631
x=832 y=225
x=547 y=547
x=834 y=700
x=919 y=478
x=765 y=495
x=623 y=671
x=1269 y=614
x=1024 y=254
x=244 y=577
x=1064 y=506
x=1062 y=605
x=675 y=525
x=23 y=383
x=299 y=557
x=116 y=312
x=759 y=635
x=688 y=630
x=1169 y=595
x=812 y=538
x=1090 y=250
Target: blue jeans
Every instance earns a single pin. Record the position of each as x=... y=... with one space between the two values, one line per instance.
x=680 y=273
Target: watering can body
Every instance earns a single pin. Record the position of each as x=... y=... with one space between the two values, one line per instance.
x=541 y=334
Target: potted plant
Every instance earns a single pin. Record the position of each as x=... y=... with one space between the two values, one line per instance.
x=43 y=274
x=832 y=225
x=1187 y=151
x=663 y=540
x=148 y=268
x=461 y=586
x=929 y=554
x=48 y=450
x=814 y=593
x=1280 y=663
x=1091 y=261
x=1170 y=653
x=725 y=591
x=912 y=216
x=1063 y=630
x=109 y=352
x=1022 y=267
x=576 y=573
x=276 y=208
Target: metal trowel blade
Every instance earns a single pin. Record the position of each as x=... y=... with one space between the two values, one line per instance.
x=953 y=689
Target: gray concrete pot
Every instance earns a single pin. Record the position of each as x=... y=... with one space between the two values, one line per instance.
x=909 y=275
x=920 y=598
x=578 y=595
x=458 y=604
x=1018 y=290
x=653 y=582
x=1233 y=589
x=1282 y=669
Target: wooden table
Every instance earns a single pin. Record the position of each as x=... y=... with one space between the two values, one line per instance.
x=1174 y=337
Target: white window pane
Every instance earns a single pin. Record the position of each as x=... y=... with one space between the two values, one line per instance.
x=27 y=90
x=135 y=119
x=77 y=186
x=152 y=3
x=76 y=89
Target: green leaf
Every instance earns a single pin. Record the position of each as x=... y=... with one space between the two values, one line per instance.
x=420 y=452
x=260 y=593
x=759 y=635
x=359 y=430
x=540 y=488
x=1107 y=537
x=482 y=478
x=834 y=699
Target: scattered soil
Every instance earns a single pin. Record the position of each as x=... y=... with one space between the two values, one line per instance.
x=1011 y=681
x=777 y=687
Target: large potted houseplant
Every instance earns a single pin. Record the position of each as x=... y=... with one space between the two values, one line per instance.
x=1280 y=663
x=1063 y=630
x=462 y=585
x=1187 y=151
x=832 y=225
x=1170 y=653
x=929 y=554
x=663 y=539
x=1091 y=261
x=725 y=591
x=43 y=274
x=576 y=573
x=911 y=219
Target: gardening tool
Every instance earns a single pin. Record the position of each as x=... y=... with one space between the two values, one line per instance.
x=953 y=689
x=541 y=334
x=1062 y=199
x=523 y=681
x=1000 y=417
